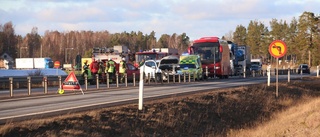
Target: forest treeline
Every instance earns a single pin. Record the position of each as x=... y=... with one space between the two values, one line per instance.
x=302 y=37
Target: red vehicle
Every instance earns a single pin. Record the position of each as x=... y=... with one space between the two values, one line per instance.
x=155 y=54
x=214 y=54
x=130 y=70
x=146 y=55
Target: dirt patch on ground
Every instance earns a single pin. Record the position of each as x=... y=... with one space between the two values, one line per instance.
x=213 y=113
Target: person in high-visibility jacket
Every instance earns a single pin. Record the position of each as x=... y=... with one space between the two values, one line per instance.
x=122 y=69
x=85 y=68
x=110 y=69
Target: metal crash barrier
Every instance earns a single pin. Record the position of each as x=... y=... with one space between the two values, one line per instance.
x=97 y=83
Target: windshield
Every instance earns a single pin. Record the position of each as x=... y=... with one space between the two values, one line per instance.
x=169 y=61
x=209 y=51
x=255 y=63
x=145 y=56
x=187 y=66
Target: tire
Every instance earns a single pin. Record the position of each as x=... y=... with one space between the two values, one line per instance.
x=158 y=77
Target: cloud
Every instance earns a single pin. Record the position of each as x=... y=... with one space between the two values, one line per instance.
x=197 y=18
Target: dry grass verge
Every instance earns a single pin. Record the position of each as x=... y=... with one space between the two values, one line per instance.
x=229 y=112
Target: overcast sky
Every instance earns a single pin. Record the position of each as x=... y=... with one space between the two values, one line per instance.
x=197 y=18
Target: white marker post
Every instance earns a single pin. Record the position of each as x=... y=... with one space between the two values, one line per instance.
x=288 y=73
x=268 y=73
x=317 y=71
x=141 y=88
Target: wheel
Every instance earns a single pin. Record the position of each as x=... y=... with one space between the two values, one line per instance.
x=158 y=77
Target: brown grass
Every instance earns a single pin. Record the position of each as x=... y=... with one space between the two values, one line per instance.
x=242 y=111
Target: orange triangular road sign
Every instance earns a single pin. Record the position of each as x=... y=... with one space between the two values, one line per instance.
x=71 y=78
x=71 y=83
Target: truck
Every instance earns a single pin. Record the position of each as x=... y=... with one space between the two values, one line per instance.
x=154 y=54
x=233 y=58
x=244 y=59
x=116 y=53
x=257 y=62
x=33 y=63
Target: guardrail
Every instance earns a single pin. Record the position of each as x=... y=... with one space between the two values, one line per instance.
x=22 y=81
x=50 y=81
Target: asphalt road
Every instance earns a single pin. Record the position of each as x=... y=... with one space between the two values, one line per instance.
x=33 y=107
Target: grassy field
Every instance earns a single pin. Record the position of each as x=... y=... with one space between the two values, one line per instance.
x=243 y=111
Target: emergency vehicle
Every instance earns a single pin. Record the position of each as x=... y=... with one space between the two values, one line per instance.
x=214 y=54
x=191 y=64
x=117 y=53
x=154 y=54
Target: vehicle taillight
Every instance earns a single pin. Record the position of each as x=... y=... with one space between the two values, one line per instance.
x=220 y=48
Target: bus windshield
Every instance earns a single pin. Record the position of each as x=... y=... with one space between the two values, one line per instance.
x=209 y=52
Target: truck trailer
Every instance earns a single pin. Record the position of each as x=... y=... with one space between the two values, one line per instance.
x=244 y=59
x=33 y=63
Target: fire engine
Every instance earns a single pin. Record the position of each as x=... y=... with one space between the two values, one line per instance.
x=154 y=54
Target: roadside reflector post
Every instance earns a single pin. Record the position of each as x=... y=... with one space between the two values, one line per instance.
x=288 y=74
x=253 y=73
x=174 y=78
x=29 y=85
x=317 y=71
x=207 y=72
x=301 y=72
x=134 y=79
x=45 y=79
x=189 y=78
x=108 y=80
x=86 y=81
x=97 y=81
x=179 y=78
x=11 y=86
x=184 y=77
x=117 y=80
x=60 y=82
x=126 y=79
x=268 y=74
x=244 y=72
x=161 y=78
x=141 y=88
x=168 y=77
x=149 y=78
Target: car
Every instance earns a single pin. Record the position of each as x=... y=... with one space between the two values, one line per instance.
x=131 y=70
x=169 y=65
x=151 y=69
x=304 y=67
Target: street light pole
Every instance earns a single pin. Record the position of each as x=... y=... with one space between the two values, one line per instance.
x=41 y=51
x=20 y=50
x=66 y=59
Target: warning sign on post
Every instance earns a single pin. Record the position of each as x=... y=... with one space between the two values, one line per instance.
x=278 y=49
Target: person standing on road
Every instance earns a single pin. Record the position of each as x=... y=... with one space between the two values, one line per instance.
x=122 y=69
x=85 y=68
x=141 y=63
x=110 y=69
x=94 y=67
